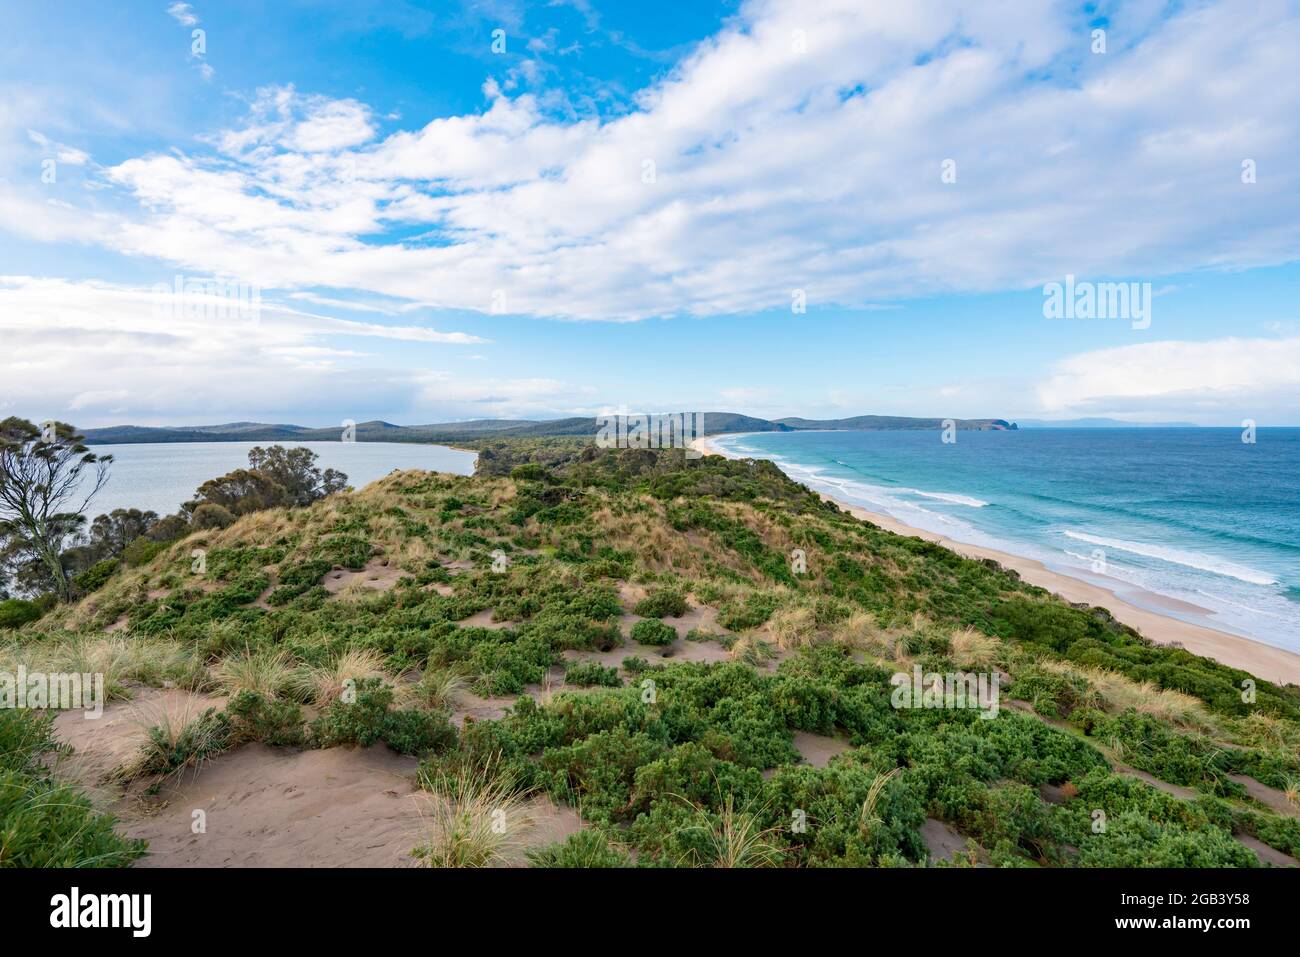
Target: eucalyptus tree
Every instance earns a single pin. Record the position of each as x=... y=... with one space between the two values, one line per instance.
x=47 y=479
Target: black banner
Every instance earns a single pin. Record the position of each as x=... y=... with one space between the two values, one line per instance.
x=144 y=907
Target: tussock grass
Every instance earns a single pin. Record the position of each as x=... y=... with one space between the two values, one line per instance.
x=793 y=627
x=752 y=650
x=122 y=659
x=477 y=816
x=860 y=631
x=176 y=738
x=869 y=818
x=732 y=837
x=438 y=688
x=323 y=684
x=1117 y=693
x=269 y=674
x=973 y=649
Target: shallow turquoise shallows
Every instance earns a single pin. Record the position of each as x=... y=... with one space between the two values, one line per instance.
x=1195 y=515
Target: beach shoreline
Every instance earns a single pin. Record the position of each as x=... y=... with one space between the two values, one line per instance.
x=1236 y=651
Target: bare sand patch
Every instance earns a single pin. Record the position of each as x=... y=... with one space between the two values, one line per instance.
x=102 y=744
x=265 y=807
x=629 y=594
x=483 y=619
x=707 y=652
x=942 y=840
x=340 y=807
x=701 y=616
x=478 y=708
x=1269 y=797
x=818 y=749
x=1268 y=856
x=376 y=576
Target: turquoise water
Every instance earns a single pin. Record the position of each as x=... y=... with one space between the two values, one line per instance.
x=159 y=477
x=1194 y=515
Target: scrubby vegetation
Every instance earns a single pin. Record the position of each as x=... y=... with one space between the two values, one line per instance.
x=44 y=823
x=689 y=753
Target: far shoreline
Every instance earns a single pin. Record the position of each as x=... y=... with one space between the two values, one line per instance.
x=1237 y=651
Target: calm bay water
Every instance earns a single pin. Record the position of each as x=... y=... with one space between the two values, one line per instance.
x=159 y=477
x=1190 y=514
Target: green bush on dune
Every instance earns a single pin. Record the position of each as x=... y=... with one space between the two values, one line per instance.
x=652 y=631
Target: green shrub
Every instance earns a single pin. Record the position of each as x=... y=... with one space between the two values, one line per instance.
x=586 y=848
x=369 y=719
x=752 y=612
x=94 y=577
x=591 y=673
x=662 y=603
x=278 y=723
x=297 y=580
x=16 y=612
x=172 y=747
x=211 y=515
x=142 y=551
x=652 y=631
x=44 y=824
x=350 y=551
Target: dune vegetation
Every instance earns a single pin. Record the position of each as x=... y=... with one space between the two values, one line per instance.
x=661 y=665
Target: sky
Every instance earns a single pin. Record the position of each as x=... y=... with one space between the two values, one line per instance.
x=425 y=212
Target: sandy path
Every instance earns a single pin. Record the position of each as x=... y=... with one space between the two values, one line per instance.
x=268 y=807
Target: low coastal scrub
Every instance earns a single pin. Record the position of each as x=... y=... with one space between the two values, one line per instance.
x=768 y=738
x=44 y=823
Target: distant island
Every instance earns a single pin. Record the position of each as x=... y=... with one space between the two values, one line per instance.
x=715 y=423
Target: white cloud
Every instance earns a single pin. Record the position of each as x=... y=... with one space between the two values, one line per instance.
x=776 y=170
x=61 y=152
x=97 y=348
x=183 y=14
x=1216 y=382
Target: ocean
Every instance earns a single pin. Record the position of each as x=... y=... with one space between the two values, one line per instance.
x=1195 y=515
x=160 y=477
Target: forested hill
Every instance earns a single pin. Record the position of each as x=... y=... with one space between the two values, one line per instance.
x=715 y=423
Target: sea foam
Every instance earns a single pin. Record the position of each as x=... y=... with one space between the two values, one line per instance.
x=1177 y=556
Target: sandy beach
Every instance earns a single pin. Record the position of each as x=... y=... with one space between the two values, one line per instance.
x=1259 y=659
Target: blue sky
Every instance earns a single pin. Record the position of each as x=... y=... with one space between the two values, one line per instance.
x=620 y=207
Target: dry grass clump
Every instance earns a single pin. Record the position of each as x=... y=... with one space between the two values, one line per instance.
x=121 y=658
x=438 y=689
x=973 y=649
x=269 y=674
x=1119 y=693
x=177 y=737
x=860 y=631
x=793 y=627
x=752 y=650
x=478 y=814
x=1261 y=729
x=322 y=684
x=869 y=818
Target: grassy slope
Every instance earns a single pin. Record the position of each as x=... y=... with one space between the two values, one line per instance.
x=677 y=778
